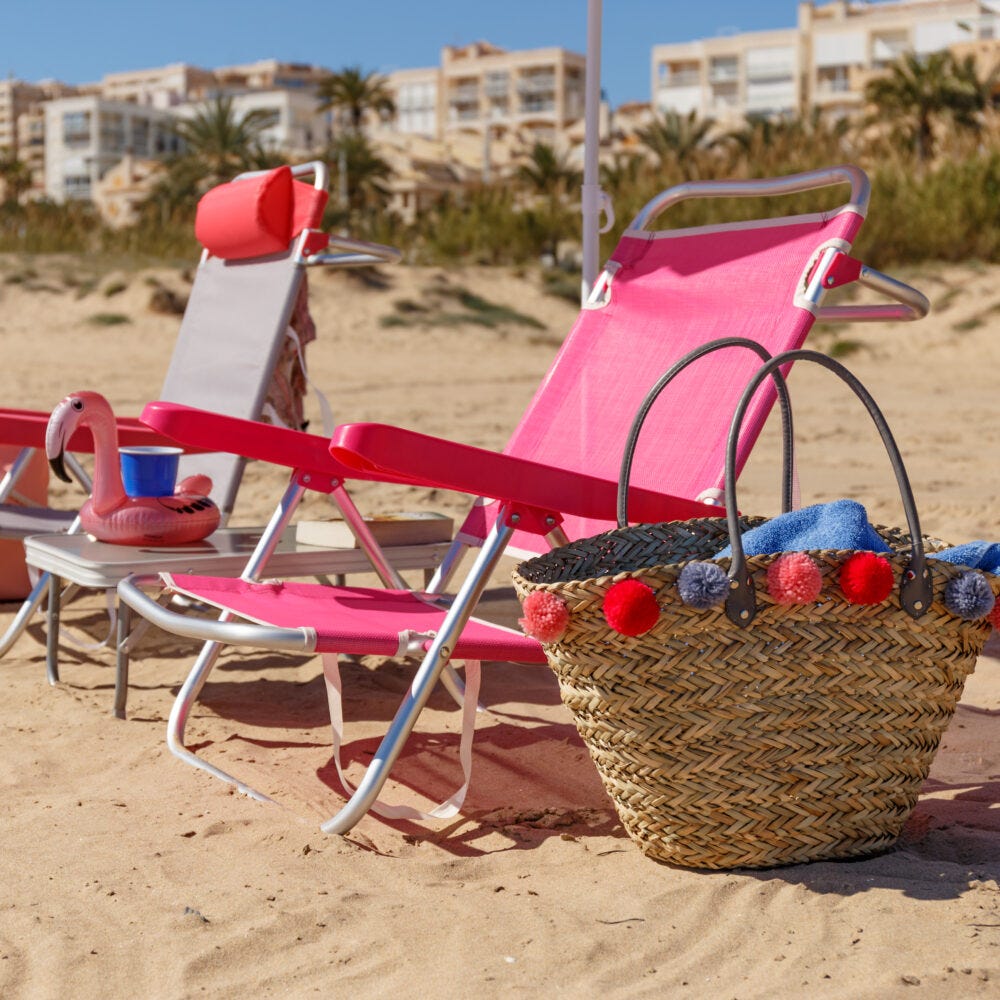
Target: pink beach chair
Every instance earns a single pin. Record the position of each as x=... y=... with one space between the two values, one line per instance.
x=663 y=293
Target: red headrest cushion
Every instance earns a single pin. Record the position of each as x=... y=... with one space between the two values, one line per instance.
x=247 y=218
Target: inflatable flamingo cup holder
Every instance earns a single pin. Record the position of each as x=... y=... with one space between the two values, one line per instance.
x=149 y=470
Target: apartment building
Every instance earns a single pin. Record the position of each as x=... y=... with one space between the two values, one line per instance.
x=824 y=61
x=270 y=74
x=132 y=113
x=22 y=124
x=164 y=88
x=16 y=97
x=294 y=125
x=847 y=43
x=85 y=136
x=480 y=89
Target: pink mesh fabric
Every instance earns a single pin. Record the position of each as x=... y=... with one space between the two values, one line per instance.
x=675 y=290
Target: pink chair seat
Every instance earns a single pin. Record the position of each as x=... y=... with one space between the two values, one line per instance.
x=354 y=620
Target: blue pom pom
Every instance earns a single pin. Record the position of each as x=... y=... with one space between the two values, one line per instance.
x=969 y=596
x=702 y=585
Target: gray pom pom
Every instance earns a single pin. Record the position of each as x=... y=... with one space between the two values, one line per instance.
x=702 y=585
x=969 y=596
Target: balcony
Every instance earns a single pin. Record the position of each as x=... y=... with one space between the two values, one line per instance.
x=539 y=84
x=724 y=72
x=76 y=137
x=535 y=106
x=497 y=85
x=465 y=94
x=682 y=78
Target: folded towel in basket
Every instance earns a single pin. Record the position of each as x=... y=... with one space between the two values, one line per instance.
x=975 y=555
x=839 y=525
x=843 y=525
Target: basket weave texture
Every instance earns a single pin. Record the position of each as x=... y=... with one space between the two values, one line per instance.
x=805 y=736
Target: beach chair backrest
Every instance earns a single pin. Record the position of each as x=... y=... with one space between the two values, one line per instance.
x=241 y=303
x=663 y=293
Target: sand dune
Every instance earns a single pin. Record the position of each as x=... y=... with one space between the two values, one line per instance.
x=126 y=874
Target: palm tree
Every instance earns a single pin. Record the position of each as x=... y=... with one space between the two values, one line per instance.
x=918 y=92
x=549 y=177
x=548 y=172
x=364 y=172
x=978 y=93
x=677 y=139
x=15 y=176
x=623 y=172
x=353 y=93
x=772 y=145
x=223 y=142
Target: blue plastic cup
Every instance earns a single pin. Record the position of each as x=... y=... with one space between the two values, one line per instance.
x=149 y=470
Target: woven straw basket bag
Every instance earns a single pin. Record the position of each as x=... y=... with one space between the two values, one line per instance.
x=750 y=731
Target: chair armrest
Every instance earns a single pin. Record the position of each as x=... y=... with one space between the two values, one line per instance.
x=380 y=450
x=204 y=430
x=26 y=429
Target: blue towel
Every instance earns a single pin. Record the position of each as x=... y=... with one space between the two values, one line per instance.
x=975 y=555
x=841 y=524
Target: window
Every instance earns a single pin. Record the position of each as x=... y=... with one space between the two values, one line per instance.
x=140 y=136
x=112 y=132
x=833 y=80
x=77 y=186
x=76 y=128
x=496 y=83
x=724 y=69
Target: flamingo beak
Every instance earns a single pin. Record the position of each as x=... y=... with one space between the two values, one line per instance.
x=59 y=468
x=60 y=427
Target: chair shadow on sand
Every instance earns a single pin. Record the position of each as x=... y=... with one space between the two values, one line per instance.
x=527 y=755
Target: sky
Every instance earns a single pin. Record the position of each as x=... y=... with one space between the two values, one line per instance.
x=78 y=42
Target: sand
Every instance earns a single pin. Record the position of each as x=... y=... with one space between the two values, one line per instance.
x=127 y=874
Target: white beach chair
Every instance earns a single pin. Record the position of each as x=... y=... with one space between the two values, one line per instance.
x=260 y=233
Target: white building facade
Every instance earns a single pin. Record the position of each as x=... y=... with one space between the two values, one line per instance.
x=87 y=135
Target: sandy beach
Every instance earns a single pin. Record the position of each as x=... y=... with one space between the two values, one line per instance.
x=127 y=874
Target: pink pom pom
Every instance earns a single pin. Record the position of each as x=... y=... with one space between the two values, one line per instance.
x=545 y=616
x=794 y=578
x=866 y=578
x=630 y=607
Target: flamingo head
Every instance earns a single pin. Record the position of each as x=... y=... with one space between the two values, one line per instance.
x=76 y=410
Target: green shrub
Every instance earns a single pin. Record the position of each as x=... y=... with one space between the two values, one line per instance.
x=108 y=319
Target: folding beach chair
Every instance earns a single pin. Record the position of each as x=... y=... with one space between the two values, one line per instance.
x=259 y=233
x=662 y=294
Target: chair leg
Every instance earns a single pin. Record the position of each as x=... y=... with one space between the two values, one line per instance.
x=428 y=674
x=52 y=630
x=183 y=703
x=122 y=660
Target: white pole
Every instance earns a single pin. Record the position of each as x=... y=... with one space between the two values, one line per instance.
x=591 y=191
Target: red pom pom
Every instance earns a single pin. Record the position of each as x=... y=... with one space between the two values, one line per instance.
x=794 y=579
x=630 y=607
x=994 y=616
x=866 y=578
x=545 y=616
